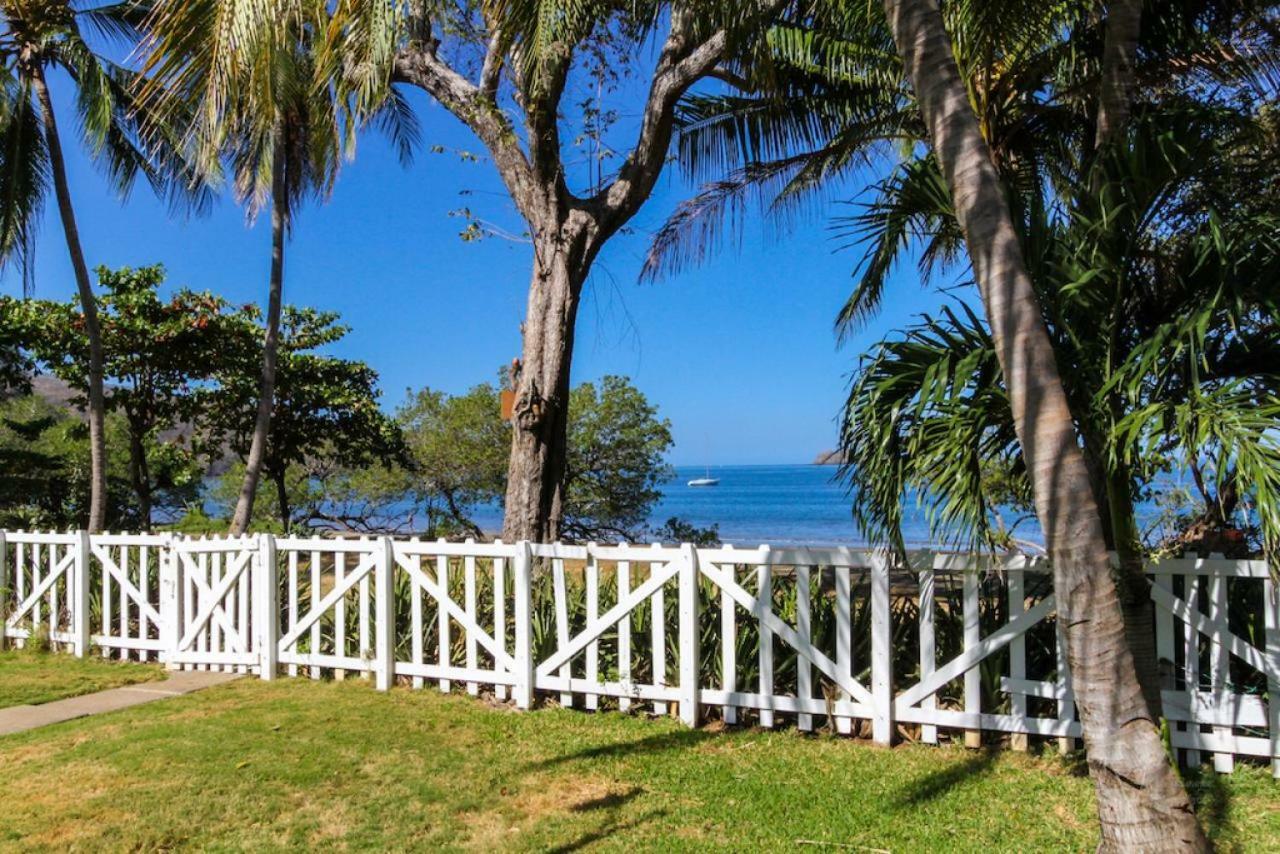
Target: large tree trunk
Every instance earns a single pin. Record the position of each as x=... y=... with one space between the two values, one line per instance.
x=270 y=346
x=533 y=509
x=88 y=305
x=1142 y=804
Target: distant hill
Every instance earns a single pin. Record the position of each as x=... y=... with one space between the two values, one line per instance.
x=58 y=393
x=829 y=458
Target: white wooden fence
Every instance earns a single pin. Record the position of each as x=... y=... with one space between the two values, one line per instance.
x=949 y=645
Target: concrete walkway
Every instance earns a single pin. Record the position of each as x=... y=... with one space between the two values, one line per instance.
x=22 y=718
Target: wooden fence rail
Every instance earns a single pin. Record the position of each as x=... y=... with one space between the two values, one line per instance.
x=946 y=645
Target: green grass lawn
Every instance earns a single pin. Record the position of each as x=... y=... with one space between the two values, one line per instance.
x=301 y=764
x=39 y=677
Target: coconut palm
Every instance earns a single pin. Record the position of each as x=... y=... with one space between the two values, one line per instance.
x=249 y=76
x=42 y=38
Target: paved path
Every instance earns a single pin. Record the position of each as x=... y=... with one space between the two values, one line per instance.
x=22 y=718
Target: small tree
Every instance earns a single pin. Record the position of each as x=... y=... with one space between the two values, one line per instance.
x=160 y=357
x=325 y=411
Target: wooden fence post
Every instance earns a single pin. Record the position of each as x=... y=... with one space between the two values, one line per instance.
x=385 y=615
x=170 y=602
x=79 y=593
x=521 y=571
x=1271 y=621
x=5 y=594
x=267 y=608
x=688 y=635
x=881 y=651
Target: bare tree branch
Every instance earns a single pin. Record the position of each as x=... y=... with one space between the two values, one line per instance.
x=680 y=65
x=418 y=64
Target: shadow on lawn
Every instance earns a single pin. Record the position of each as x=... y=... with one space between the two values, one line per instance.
x=606 y=830
x=659 y=743
x=938 y=783
x=1212 y=800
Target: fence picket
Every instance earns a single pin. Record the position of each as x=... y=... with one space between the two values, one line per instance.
x=764 y=596
x=624 y=632
x=804 y=673
x=928 y=647
x=728 y=646
x=592 y=581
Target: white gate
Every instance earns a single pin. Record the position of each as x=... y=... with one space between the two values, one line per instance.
x=212 y=610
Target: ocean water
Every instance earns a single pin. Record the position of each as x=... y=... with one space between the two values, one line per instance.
x=774 y=504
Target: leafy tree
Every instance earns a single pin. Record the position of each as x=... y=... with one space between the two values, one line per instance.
x=44 y=476
x=325 y=408
x=487 y=62
x=617 y=443
x=617 y=450
x=161 y=355
x=458 y=445
x=39 y=37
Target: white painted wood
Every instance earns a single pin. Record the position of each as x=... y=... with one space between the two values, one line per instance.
x=728 y=648
x=1271 y=631
x=415 y=619
x=108 y=604
x=384 y=619
x=1017 y=654
x=365 y=604
x=339 y=614
x=266 y=616
x=658 y=633
x=124 y=597
x=469 y=599
x=689 y=633
x=624 y=631
x=1191 y=649
x=972 y=637
x=764 y=606
x=367 y=565
x=881 y=652
x=78 y=593
x=293 y=600
x=592 y=582
x=928 y=646
x=562 y=622
x=442 y=617
x=315 y=604
x=1220 y=659
x=804 y=628
x=844 y=639
x=500 y=612
x=521 y=570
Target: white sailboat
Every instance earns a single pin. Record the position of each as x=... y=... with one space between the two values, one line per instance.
x=705 y=481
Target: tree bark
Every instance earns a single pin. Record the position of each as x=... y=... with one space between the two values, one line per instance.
x=1142 y=804
x=1119 y=53
x=88 y=305
x=282 y=498
x=140 y=474
x=270 y=346
x=539 y=435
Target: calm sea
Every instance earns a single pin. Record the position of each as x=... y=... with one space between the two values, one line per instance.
x=779 y=505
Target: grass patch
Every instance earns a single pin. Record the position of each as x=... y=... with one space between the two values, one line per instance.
x=299 y=764
x=30 y=678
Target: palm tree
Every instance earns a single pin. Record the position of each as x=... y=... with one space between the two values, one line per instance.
x=250 y=78
x=1142 y=802
x=39 y=37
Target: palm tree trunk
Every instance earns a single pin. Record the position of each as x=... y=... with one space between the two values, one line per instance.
x=1142 y=804
x=282 y=498
x=270 y=346
x=88 y=305
x=1119 y=51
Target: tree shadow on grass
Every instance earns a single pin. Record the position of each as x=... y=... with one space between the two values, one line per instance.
x=607 y=830
x=1212 y=800
x=938 y=783
x=660 y=743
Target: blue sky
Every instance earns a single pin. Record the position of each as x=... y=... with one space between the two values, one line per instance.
x=739 y=353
